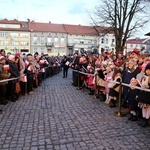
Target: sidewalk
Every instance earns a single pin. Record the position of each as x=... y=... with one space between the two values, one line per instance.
x=59 y=117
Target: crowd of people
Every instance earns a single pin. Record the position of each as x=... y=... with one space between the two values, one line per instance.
x=102 y=73
x=20 y=74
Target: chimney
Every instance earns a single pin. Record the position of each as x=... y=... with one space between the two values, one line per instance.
x=28 y=20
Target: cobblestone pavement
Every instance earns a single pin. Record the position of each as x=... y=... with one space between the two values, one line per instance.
x=60 y=117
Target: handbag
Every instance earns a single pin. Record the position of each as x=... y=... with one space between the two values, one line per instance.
x=17 y=87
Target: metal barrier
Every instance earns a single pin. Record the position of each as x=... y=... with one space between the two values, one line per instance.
x=118 y=113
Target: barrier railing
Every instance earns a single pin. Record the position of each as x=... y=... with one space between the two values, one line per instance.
x=118 y=113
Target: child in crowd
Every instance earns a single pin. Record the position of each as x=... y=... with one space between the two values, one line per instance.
x=115 y=87
x=144 y=97
x=132 y=99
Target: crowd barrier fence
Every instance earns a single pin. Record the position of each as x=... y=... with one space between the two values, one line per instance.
x=119 y=113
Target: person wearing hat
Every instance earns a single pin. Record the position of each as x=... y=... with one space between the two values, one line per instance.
x=135 y=55
x=4 y=74
x=144 y=97
x=131 y=72
x=75 y=66
x=14 y=73
x=119 y=60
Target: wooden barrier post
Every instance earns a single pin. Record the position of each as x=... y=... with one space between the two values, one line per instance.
x=119 y=113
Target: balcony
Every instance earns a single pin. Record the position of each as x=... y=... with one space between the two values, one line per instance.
x=49 y=44
x=70 y=45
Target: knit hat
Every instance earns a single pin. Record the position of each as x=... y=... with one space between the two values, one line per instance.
x=136 y=51
x=17 y=54
x=10 y=57
x=147 y=66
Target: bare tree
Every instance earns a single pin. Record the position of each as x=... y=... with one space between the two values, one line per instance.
x=123 y=17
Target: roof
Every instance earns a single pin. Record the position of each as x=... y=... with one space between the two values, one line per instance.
x=137 y=41
x=80 y=30
x=104 y=30
x=23 y=25
x=46 y=27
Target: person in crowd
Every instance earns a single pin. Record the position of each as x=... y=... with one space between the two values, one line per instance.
x=101 y=82
x=14 y=71
x=2 y=53
x=43 y=64
x=4 y=74
x=75 y=67
x=83 y=62
x=90 y=84
x=144 y=97
x=38 y=68
x=21 y=66
x=119 y=60
x=135 y=55
x=128 y=74
x=115 y=87
x=141 y=61
x=36 y=54
x=108 y=78
x=65 y=65
x=30 y=73
x=131 y=98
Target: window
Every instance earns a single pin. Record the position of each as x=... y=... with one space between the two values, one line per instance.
x=95 y=43
x=131 y=45
x=106 y=41
x=15 y=43
x=23 y=43
x=3 y=34
x=42 y=40
x=49 y=40
x=102 y=40
x=89 y=41
x=35 y=40
x=81 y=41
x=70 y=41
x=62 y=40
x=14 y=34
x=34 y=50
x=9 y=26
x=113 y=41
x=76 y=41
x=42 y=51
x=4 y=43
x=24 y=35
x=56 y=40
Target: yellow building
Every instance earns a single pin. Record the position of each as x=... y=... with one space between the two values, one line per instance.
x=14 y=36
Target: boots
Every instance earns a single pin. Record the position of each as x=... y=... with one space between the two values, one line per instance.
x=112 y=103
x=3 y=101
x=143 y=120
x=103 y=97
x=131 y=117
x=91 y=92
x=134 y=118
x=145 y=124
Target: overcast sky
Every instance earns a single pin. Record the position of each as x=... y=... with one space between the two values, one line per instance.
x=56 y=11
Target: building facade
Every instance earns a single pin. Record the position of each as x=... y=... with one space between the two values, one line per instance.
x=137 y=43
x=53 y=39
x=14 y=36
